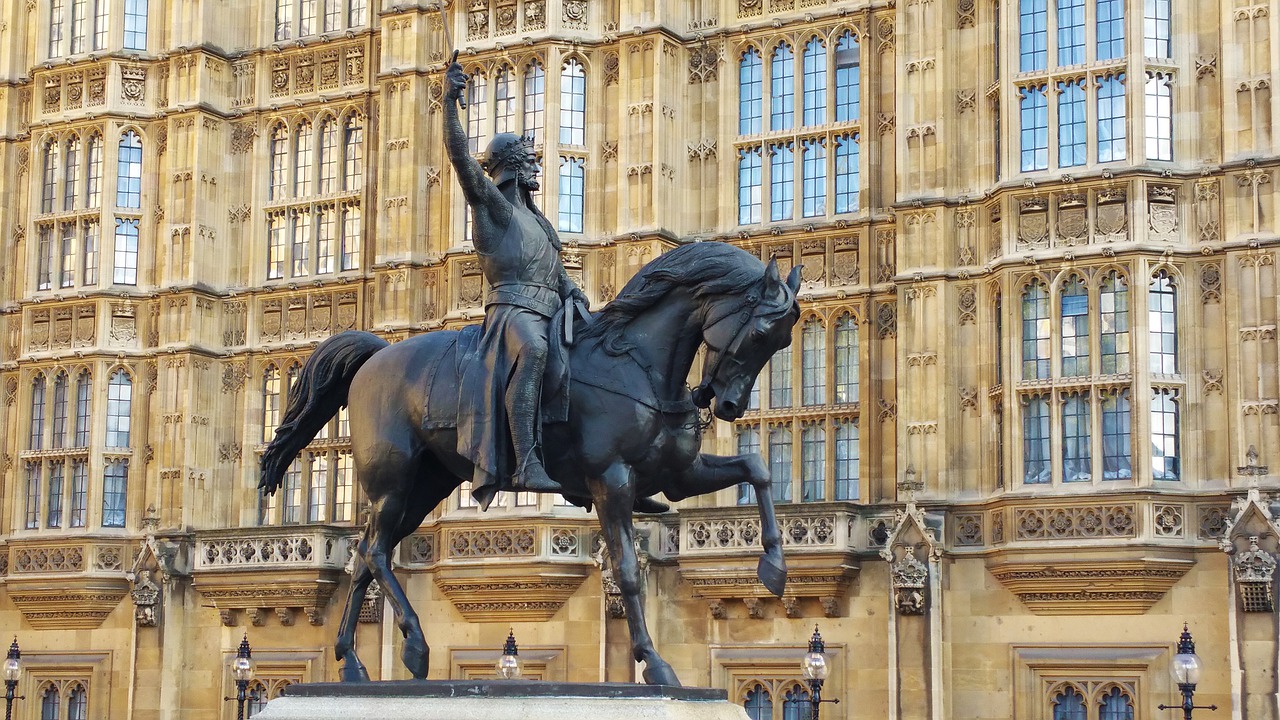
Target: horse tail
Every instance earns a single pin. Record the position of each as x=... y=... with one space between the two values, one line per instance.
x=320 y=390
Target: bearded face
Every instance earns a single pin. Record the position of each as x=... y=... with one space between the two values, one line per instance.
x=527 y=173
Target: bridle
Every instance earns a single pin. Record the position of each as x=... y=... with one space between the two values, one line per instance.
x=745 y=311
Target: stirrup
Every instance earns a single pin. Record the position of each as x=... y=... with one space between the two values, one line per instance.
x=532 y=477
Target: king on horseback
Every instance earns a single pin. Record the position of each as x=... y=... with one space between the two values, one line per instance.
x=519 y=254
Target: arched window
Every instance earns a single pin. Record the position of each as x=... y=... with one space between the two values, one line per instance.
x=780 y=379
x=504 y=101
x=89 y=254
x=782 y=111
x=1069 y=705
x=748 y=443
x=848 y=173
x=1116 y=705
x=1111 y=116
x=49 y=177
x=1035 y=440
x=84 y=390
x=782 y=184
x=328 y=156
x=1117 y=442
x=477 y=93
x=79 y=493
x=36 y=441
x=257 y=698
x=276 y=227
x=1165 y=450
x=758 y=703
x=813 y=463
x=129 y=172
x=846 y=359
x=59 y=411
x=848 y=78
x=1074 y=304
x=1077 y=459
x=71 y=175
x=815 y=82
x=300 y=226
x=535 y=100
x=279 y=152
x=343 y=488
x=119 y=409
x=572 y=194
x=749 y=179
x=126 y=252
x=326 y=235
x=573 y=103
x=813 y=176
x=50 y=703
x=813 y=363
x=1033 y=107
x=291 y=489
x=1035 y=332
x=318 y=487
x=780 y=463
x=67 y=256
x=353 y=154
x=53 y=511
x=33 y=495
x=848 y=460
x=270 y=403
x=302 y=160
x=115 y=486
x=351 y=234
x=135 y=24
x=750 y=90
x=1113 y=304
x=795 y=703
x=284 y=19
x=93 y=182
x=1162 y=324
x=78 y=703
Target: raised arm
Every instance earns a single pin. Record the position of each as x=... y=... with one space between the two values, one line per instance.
x=476 y=186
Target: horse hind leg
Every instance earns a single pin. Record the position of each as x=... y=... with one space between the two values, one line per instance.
x=345 y=648
x=388 y=514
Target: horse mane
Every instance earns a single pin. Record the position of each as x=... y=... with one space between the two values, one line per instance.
x=710 y=268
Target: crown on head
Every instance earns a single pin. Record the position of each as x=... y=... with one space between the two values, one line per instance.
x=512 y=154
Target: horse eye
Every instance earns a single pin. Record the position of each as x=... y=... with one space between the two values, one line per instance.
x=757 y=334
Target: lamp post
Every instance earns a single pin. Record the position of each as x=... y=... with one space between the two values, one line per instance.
x=12 y=671
x=814 y=667
x=242 y=671
x=508 y=666
x=1186 y=673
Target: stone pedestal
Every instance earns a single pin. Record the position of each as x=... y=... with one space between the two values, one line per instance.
x=498 y=700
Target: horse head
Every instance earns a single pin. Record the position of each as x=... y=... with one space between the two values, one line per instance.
x=741 y=332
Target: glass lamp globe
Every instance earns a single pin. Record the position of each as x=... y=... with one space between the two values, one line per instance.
x=1186 y=669
x=242 y=668
x=12 y=669
x=509 y=667
x=814 y=666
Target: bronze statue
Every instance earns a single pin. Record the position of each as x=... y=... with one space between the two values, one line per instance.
x=632 y=426
x=519 y=253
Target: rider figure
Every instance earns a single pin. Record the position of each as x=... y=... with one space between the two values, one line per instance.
x=519 y=253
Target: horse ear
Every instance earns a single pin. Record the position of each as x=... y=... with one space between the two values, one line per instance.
x=771 y=272
x=793 y=280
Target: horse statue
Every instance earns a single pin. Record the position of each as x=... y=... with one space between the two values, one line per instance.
x=633 y=427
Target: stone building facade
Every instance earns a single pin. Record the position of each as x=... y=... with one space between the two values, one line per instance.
x=1022 y=433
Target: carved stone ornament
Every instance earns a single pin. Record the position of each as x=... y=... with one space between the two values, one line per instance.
x=1255 y=571
x=1252 y=538
x=146 y=595
x=910 y=578
x=910 y=549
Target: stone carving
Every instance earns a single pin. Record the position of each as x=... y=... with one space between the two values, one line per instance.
x=844 y=261
x=1168 y=520
x=887 y=320
x=968 y=304
x=422 y=549
x=1112 y=215
x=1210 y=282
x=968 y=529
x=133 y=83
x=704 y=64
x=909 y=577
x=97 y=86
x=750 y=8
x=52 y=95
x=502 y=542
x=1060 y=523
x=1212 y=380
x=966 y=99
x=1162 y=212
x=477 y=19
x=278 y=550
x=146 y=595
x=887 y=265
x=1033 y=224
x=535 y=15
x=884 y=34
x=575 y=14
x=1255 y=571
x=965 y=12
x=611 y=68
x=371 y=608
x=819 y=531
x=911 y=546
x=1208 y=218
x=242 y=136
x=969 y=398
x=64 y=559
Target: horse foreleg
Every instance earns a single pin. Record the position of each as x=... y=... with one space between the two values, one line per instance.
x=614 y=494
x=712 y=473
x=387 y=516
x=345 y=647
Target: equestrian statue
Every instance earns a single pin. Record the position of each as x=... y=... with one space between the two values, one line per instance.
x=606 y=420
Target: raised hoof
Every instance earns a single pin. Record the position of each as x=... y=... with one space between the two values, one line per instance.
x=415 y=657
x=661 y=674
x=772 y=575
x=354 y=672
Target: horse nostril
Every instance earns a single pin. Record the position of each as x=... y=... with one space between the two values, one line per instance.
x=729 y=407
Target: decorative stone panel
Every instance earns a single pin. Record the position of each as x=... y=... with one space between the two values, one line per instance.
x=1079 y=585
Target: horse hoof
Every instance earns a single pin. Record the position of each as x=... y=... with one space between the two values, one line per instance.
x=661 y=675
x=772 y=575
x=415 y=656
x=354 y=672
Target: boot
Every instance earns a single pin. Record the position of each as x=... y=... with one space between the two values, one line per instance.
x=531 y=476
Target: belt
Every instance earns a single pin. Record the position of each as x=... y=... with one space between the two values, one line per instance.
x=530 y=296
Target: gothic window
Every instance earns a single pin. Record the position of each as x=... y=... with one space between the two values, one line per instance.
x=1076 y=438
x=318 y=487
x=328 y=156
x=1114 y=306
x=1074 y=307
x=782 y=97
x=748 y=442
x=291 y=491
x=100 y=25
x=351 y=237
x=1116 y=705
x=781 y=181
x=44 y=259
x=257 y=698
x=135 y=24
x=573 y=103
x=780 y=463
x=1069 y=705
x=780 y=379
x=71 y=174
x=795 y=703
x=848 y=62
x=284 y=19
x=750 y=88
x=1035 y=128
x=114 y=492
x=326 y=234
x=1072 y=138
x=1112 y=132
x=356 y=13
x=36 y=436
x=84 y=390
x=33 y=495
x=89 y=252
x=535 y=101
x=758 y=703
x=846 y=351
x=119 y=409
x=93 y=181
x=815 y=82
x=306 y=18
x=1070 y=32
x=1162 y=325
x=270 y=403
x=848 y=176
x=279 y=151
x=813 y=363
x=332 y=15
x=1090 y=700
x=79 y=493
x=50 y=703
x=477 y=93
x=78 y=703
x=56 y=20
x=1110 y=29
x=504 y=101
x=344 y=488
x=53 y=511
x=1165 y=451
x=67 y=256
x=1155 y=29
x=59 y=411
x=814 y=177
x=1116 y=440
x=848 y=458
x=813 y=463
x=1035 y=332
x=126 y=252
x=572 y=197
x=1035 y=440
x=1032 y=34
x=129 y=175
x=275 y=245
x=302 y=160
x=300 y=230
x=353 y=154
x=1159 y=116
x=49 y=186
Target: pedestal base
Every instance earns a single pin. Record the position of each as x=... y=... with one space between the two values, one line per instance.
x=498 y=700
